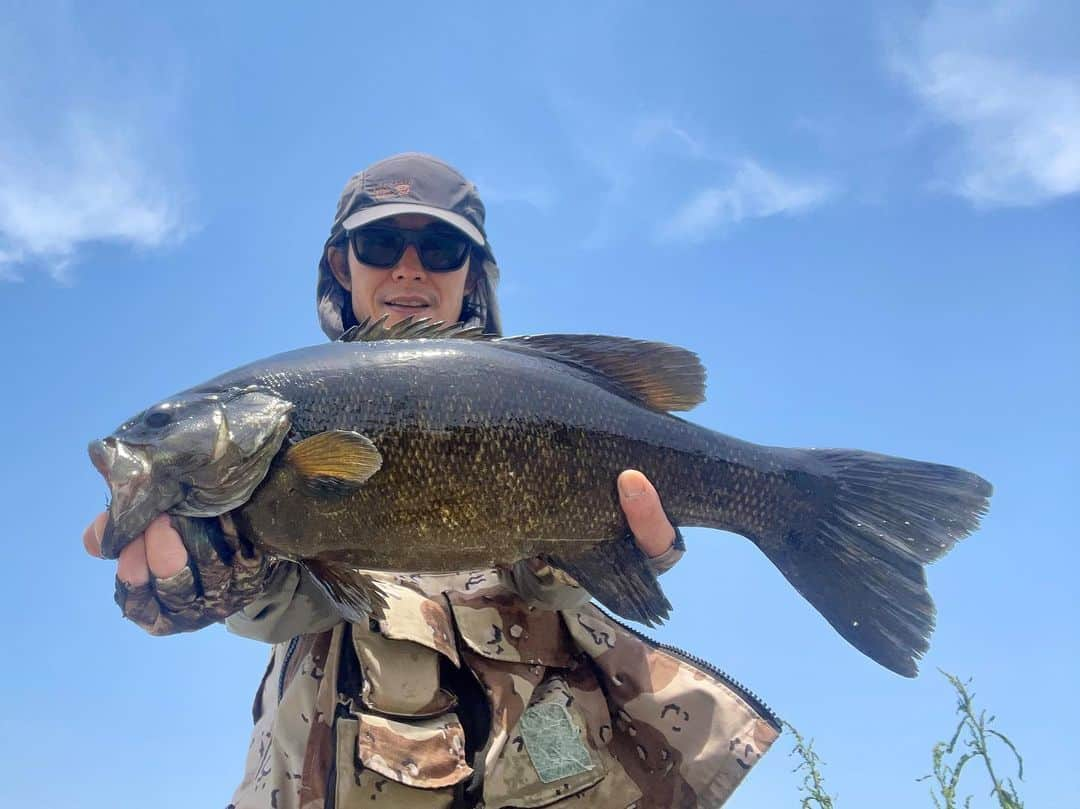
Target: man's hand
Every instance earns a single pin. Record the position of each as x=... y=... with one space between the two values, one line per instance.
x=648 y=523
x=159 y=552
x=166 y=583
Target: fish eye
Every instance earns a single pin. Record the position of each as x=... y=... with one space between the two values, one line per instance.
x=159 y=418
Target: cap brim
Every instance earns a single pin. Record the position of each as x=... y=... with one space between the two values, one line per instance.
x=377 y=212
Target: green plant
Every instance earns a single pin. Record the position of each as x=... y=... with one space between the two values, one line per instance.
x=813 y=783
x=971 y=742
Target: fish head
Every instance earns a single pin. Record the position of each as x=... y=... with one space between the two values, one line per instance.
x=200 y=454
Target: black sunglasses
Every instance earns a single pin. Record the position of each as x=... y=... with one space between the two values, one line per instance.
x=383 y=247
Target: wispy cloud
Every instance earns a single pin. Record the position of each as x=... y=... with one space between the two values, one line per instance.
x=537 y=196
x=1014 y=105
x=650 y=167
x=93 y=185
x=609 y=160
x=655 y=130
x=753 y=192
x=8 y=260
x=86 y=154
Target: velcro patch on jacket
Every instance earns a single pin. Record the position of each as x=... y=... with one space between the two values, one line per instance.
x=553 y=742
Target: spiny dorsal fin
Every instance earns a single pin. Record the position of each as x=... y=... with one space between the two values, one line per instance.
x=410 y=328
x=661 y=376
x=335 y=462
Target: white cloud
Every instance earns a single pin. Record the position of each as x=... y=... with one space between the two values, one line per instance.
x=93 y=185
x=648 y=162
x=1014 y=103
x=753 y=193
x=88 y=154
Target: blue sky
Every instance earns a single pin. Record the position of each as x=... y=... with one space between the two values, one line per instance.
x=864 y=220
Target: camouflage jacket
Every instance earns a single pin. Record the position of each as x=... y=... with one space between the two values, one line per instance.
x=469 y=693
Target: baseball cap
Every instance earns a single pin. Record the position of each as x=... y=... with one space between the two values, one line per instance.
x=413 y=183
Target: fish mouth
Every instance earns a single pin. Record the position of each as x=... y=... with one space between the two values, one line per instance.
x=128 y=473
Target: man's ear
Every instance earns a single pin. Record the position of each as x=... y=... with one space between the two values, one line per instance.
x=339 y=266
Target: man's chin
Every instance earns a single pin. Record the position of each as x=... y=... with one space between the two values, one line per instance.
x=396 y=314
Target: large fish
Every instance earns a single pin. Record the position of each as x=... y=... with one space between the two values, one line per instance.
x=425 y=448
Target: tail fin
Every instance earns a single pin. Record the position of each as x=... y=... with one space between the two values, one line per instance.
x=860 y=560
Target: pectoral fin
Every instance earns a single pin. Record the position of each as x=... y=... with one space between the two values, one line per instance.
x=356 y=594
x=334 y=462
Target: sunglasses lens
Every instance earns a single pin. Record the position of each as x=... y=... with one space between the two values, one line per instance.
x=384 y=247
x=443 y=251
x=377 y=247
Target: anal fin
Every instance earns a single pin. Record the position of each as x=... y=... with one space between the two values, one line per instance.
x=618 y=575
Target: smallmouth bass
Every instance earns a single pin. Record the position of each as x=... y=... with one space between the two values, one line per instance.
x=430 y=448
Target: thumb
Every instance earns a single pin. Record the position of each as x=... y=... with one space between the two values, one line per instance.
x=644 y=513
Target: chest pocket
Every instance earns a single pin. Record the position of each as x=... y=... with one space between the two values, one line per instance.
x=390 y=763
x=400 y=656
x=403 y=743
x=498 y=625
x=555 y=755
x=549 y=717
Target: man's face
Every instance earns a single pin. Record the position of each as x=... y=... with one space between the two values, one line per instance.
x=405 y=289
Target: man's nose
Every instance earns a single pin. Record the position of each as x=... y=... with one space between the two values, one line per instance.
x=409 y=266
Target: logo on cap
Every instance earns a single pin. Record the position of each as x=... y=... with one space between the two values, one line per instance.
x=401 y=188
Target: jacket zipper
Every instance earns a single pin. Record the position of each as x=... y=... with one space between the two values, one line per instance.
x=745 y=693
x=285 y=667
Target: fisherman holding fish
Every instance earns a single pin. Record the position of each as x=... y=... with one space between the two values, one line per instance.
x=491 y=687
x=299 y=487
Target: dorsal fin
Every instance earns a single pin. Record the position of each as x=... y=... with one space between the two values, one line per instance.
x=410 y=328
x=661 y=376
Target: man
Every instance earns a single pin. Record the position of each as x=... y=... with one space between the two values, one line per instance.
x=474 y=688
